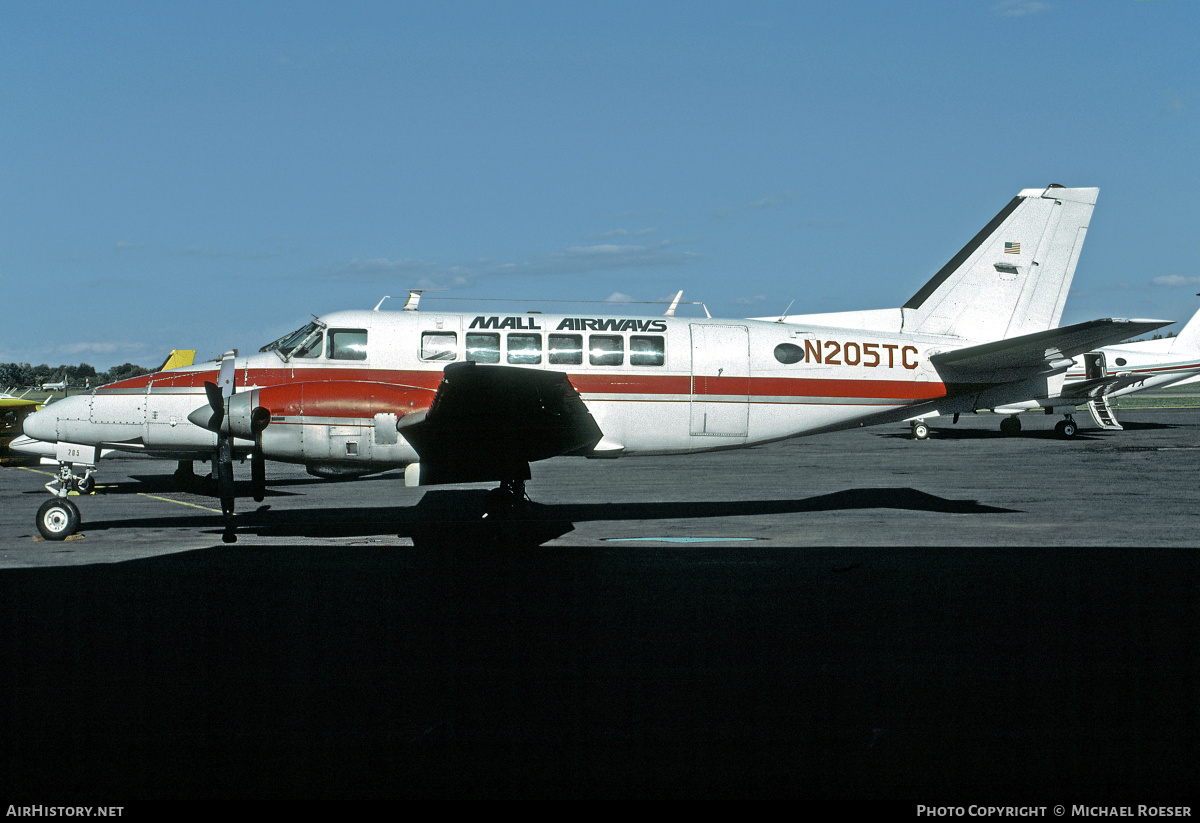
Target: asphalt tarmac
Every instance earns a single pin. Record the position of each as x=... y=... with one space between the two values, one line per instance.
x=857 y=616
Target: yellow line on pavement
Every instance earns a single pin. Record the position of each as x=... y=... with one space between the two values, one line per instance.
x=179 y=502
x=140 y=494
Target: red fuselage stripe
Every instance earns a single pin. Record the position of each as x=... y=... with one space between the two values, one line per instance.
x=408 y=386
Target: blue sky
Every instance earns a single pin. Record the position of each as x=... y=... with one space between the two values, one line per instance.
x=207 y=175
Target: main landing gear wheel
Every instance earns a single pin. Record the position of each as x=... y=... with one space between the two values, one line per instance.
x=1066 y=429
x=920 y=431
x=506 y=501
x=1010 y=426
x=58 y=518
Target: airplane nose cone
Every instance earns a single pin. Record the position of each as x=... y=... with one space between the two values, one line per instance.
x=42 y=425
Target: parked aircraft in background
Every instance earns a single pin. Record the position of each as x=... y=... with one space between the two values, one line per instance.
x=13 y=411
x=476 y=397
x=177 y=359
x=1116 y=371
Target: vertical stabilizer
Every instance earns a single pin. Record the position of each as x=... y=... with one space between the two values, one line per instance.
x=1013 y=277
x=1188 y=339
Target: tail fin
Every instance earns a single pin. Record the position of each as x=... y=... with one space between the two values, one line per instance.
x=1013 y=277
x=1188 y=338
x=177 y=359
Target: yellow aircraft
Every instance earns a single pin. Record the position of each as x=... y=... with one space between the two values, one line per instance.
x=13 y=411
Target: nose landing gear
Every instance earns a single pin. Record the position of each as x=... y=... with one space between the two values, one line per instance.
x=58 y=518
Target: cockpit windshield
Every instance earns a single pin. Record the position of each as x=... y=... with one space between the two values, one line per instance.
x=304 y=342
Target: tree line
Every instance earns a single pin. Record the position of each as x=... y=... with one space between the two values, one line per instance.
x=23 y=375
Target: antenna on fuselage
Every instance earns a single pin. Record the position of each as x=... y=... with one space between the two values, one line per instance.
x=783 y=316
x=380 y=303
x=671 y=311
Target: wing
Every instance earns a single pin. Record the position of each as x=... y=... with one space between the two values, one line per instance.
x=489 y=422
x=1020 y=357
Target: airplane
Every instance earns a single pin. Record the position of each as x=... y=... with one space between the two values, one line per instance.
x=470 y=397
x=177 y=359
x=1141 y=365
x=1115 y=371
x=61 y=385
x=13 y=411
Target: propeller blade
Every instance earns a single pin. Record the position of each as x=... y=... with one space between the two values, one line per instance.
x=258 y=472
x=223 y=469
x=227 y=376
x=215 y=399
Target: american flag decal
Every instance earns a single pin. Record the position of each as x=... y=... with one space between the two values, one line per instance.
x=1012 y=248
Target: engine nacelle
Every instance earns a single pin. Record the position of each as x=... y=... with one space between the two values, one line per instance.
x=328 y=424
x=245 y=418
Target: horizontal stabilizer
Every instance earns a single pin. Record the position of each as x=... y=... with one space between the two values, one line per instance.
x=1083 y=390
x=1029 y=354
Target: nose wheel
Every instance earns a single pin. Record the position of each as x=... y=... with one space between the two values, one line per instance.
x=58 y=518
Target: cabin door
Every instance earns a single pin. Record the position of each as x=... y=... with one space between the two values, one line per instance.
x=720 y=380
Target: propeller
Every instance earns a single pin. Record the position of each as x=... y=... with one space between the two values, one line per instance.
x=228 y=416
x=218 y=399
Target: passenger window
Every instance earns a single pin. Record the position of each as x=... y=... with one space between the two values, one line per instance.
x=606 y=349
x=483 y=347
x=347 y=344
x=566 y=349
x=439 y=345
x=524 y=349
x=645 y=351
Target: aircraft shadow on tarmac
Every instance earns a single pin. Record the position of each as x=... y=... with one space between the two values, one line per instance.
x=204 y=486
x=1030 y=433
x=988 y=434
x=457 y=516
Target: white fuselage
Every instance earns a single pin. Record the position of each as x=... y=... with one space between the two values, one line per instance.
x=651 y=384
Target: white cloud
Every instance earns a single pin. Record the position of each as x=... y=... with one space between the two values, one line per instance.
x=210 y=252
x=747 y=301
x=624 y=233
x=1019 y=8
x=427 y=274
x=100 y=348
x=617 y=297
x=768 y=202
x=1175 y=280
